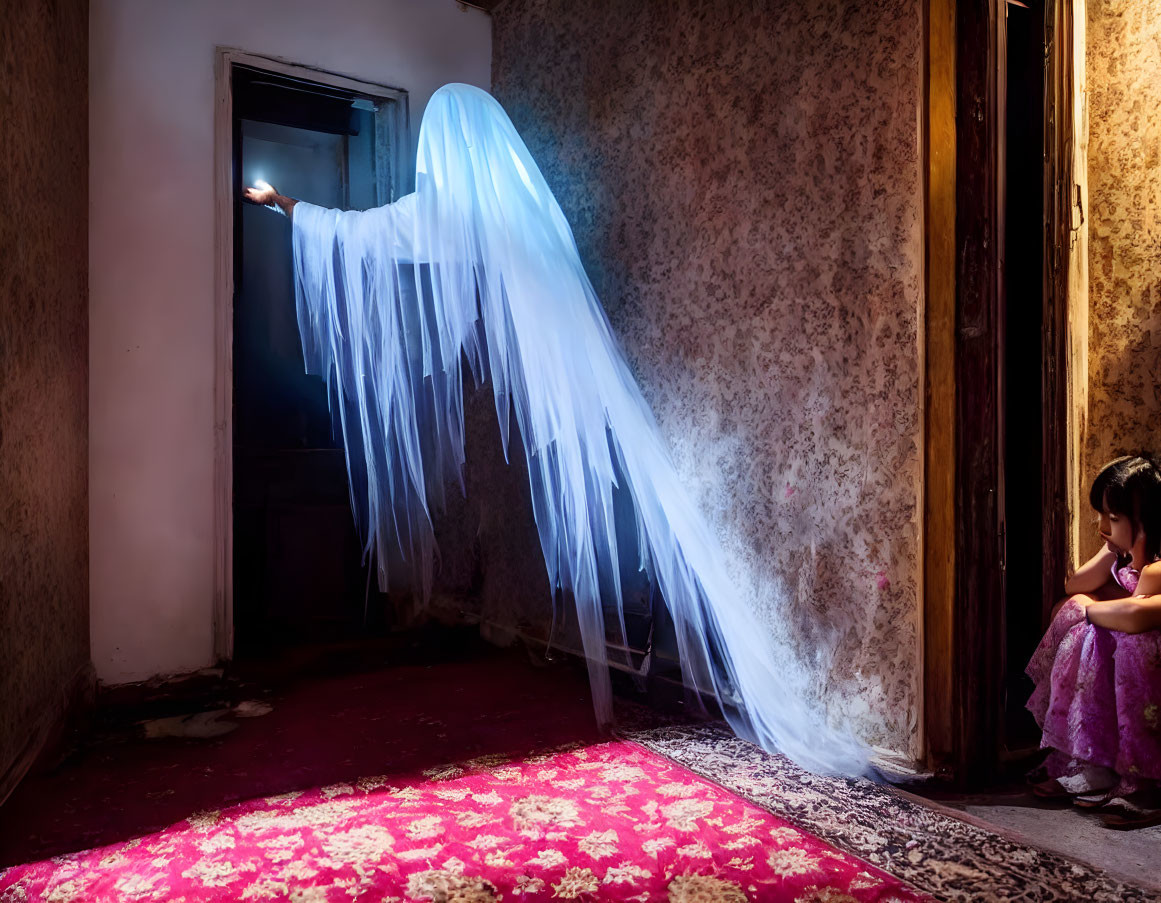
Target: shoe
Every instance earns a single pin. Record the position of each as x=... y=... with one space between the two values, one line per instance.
x=1142 y=818
x=1095 y=800
x=1125 y=813
x=1051 y=789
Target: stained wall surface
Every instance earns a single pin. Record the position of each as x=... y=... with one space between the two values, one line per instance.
x=745 y=186
x=44 y=580
x=152 y=255
x=1124 y=219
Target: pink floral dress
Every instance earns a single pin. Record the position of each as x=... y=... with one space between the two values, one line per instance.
x=1098 y=699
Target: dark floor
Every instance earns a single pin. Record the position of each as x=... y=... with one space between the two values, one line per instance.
x=1133 y=856
x=156 y=753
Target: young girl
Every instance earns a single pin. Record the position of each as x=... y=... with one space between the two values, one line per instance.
x=1097 y=671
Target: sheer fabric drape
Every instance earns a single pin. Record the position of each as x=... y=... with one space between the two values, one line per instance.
x=479 y=268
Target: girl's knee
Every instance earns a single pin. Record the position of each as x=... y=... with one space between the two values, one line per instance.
x=1070 y=610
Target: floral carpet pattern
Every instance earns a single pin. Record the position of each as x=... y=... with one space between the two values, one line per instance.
x=946 y=857
x=612 y=821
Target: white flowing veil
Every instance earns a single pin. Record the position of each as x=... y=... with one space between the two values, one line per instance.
x=480 y=265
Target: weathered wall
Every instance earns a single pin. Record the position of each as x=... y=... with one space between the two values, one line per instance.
x=1124 y=218
x=44 y=580
x=745 y=186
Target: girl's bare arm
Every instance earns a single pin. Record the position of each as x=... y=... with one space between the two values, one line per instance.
x=1093 y=574
x=1136 y=614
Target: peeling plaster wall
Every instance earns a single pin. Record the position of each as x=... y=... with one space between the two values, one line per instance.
x=745 y=186
x=44 y=580
x=1124 y=218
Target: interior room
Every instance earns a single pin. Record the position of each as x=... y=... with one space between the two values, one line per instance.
x=520 y=449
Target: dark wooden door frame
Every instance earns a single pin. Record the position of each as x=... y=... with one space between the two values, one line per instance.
x=1060 y=199
x=978 y=620
x=964 y=605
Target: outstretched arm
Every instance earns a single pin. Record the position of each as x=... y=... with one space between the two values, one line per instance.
x=395 y=219
x=268 y=196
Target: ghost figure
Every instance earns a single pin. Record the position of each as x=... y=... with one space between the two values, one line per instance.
x=480 y=265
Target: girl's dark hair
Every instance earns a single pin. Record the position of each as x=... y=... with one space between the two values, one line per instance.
x=1131 y=487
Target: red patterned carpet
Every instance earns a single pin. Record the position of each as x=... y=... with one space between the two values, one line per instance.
x=459 y=806
x=610 y=821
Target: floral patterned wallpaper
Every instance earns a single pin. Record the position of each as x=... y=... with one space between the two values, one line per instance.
x=1124 y=218
x=745 y=186
x=44 y=579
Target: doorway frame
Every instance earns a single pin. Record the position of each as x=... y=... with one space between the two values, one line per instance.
x=397 y=156
x=963 y=510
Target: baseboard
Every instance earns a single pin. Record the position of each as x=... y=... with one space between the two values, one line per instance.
x=66 y=708
x=496 y=633
x=893 y=763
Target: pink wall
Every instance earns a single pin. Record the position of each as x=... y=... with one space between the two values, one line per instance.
x=152 y=258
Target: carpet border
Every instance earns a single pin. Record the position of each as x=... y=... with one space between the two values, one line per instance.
x=945 y=856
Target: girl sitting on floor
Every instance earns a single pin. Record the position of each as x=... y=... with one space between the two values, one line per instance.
x=1097 y=672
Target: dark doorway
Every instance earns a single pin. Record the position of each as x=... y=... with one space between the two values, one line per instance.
x=1023 y=360
x=300 y=575
x=1005 y=337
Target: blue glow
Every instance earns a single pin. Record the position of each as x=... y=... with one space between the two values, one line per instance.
x=390 y=302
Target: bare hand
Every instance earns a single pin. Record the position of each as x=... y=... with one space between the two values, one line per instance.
x=264 y=196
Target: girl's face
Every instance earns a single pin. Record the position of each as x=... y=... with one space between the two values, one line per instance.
x=1117 y=532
